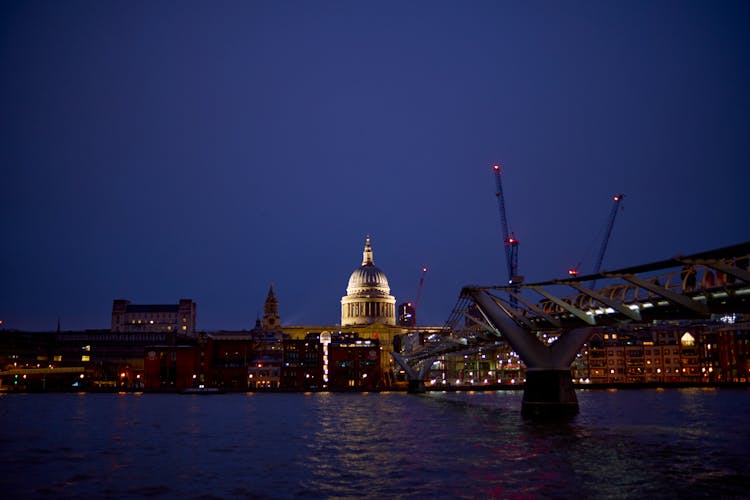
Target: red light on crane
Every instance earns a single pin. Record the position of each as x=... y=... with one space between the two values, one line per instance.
x=573 y=272
x=617 y=198
x=496 y=167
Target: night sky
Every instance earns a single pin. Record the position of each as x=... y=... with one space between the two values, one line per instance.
x=160 y=150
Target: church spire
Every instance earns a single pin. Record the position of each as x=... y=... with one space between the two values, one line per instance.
x=271 y=318
x=367 y=254
x=271 y=295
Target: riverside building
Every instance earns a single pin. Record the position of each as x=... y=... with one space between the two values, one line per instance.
x=179 y=318
x=156 y=347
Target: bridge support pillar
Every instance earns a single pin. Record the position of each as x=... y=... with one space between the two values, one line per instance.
x=416 y=387
x=549 y=394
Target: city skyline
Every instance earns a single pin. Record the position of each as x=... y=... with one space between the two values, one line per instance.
x=154 y=154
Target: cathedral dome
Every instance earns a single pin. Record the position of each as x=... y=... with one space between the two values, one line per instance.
x=368 y=296
x=368 y=279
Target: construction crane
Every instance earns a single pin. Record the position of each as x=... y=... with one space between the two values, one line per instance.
x=509 y=239
x=419 y=292
x=610 y=224
x=407 y=311
x=605 y=241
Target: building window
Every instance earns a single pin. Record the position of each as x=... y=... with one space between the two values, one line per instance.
x=687 y=340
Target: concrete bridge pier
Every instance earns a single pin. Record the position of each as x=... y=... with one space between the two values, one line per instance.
x=549 y=391
x=549 y=394
x=415 y=378
x=416 y=387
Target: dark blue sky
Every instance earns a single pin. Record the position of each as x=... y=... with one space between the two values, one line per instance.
x=158 y=150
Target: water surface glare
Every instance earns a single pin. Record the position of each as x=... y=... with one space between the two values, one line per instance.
x=681 y=443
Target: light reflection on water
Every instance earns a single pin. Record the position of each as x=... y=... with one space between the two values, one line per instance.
x=624 y=444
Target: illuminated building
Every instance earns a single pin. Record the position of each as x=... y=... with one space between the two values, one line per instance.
x=494 y=365
x=659 y=354
x=302 y=363
x=178 y=318
x=368 y=299
x=332 y=361
x=733 y=346
x=407 y=315
x=266 y=354
x=353 y=363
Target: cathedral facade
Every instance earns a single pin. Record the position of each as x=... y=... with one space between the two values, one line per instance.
x=368 y=298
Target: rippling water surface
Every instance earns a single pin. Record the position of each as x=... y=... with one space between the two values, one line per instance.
x=682 y=443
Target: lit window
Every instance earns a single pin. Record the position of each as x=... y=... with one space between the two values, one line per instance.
x=85 y=357
x=687 y=340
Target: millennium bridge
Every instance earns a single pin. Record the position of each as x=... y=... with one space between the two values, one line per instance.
x=698 y=286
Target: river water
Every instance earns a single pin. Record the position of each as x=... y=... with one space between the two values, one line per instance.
x=680 y=443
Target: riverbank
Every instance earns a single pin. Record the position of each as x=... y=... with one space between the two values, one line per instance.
x=445 y=388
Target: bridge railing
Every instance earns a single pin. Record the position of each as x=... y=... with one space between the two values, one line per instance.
x=690 y=280
x=682 y=286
